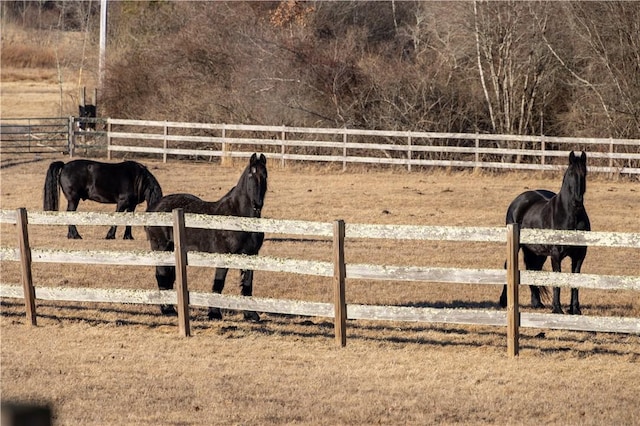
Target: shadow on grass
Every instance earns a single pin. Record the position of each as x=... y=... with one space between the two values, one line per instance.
x=397 y=332
x=12 y=162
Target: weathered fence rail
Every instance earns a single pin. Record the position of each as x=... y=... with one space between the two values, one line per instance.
x=35 y=135
x=330 y=145
x=353 y=146
x=337 y=269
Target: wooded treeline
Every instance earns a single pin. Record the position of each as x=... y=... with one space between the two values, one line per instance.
x=544 y=67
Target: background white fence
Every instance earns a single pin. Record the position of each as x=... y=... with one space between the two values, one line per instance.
x=336 y=269
x=407 y=149
x=352 y=146
x=35 y=135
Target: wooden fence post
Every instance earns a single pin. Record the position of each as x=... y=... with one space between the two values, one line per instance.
x=513 y=284
x=164 y=142
x=409 y=153
x=29 y=135
x=611 y=157
x=339 y=275
x=25 y=263
x=71 y=137
x=108 y=139
x=477 y=153
x=180 y=251
x=344 y=151
x=225 y=159
x=282 y=150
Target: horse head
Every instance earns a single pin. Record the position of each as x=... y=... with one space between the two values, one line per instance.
x=575 y=178
x=255 y=183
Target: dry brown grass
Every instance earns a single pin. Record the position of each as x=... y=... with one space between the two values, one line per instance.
x=28 y=56
x=125 y=365
x=120 y=364
x=41 y=72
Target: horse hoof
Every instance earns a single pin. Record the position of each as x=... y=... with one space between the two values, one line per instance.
x=251 y=316
x=110 y=237
x=74 y=237
x=215 y=314
x=168 y=310
x=128 y=237
x=575 y=311
x=557 y=310
x=503 y=302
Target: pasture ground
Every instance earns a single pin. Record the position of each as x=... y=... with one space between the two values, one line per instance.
x=100 y=364
x=125 y=364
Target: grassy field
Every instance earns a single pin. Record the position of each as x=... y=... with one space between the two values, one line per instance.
x=89 y=361
x=103 y=364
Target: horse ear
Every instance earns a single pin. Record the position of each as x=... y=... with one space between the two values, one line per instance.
x=253 y=158
x=583 y=157
x=263 y=159
x=572 y=157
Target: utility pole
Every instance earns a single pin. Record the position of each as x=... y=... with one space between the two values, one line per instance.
x=103 y=42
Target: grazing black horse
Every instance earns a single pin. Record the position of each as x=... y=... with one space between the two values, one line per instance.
x=86 y=112
x=127 y=184
x=546 y=210
x=245 y=199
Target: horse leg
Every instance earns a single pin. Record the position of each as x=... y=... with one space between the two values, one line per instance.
x=246 y=289
x=503 y=295
x=534 y=262
x=127 y=230
x=574 y=309
x=218 y=285
x=72 y=205
x=111 y=234
x=166 y=276
x=120 y=207
x=576 y=265
x=557 y=307
x=127 y=233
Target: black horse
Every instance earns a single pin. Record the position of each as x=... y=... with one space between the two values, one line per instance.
x=245 y=199
x=546 y=210
x=127 y=184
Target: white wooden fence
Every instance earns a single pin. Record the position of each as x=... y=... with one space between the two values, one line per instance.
x=337 y=269
x=353 y=146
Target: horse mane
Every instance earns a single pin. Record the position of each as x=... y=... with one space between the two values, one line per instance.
x=230 y=193
x=147 y=186
x=226 y=196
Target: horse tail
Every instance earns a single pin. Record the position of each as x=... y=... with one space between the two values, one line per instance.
x=51 y=186
x=545 y=294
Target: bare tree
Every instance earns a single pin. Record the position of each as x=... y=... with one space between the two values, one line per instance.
x=511 y=63
x=606 y=41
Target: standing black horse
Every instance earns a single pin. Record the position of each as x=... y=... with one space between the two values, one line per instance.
x=245 y=199
x=546 y=210
x=127 y=184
